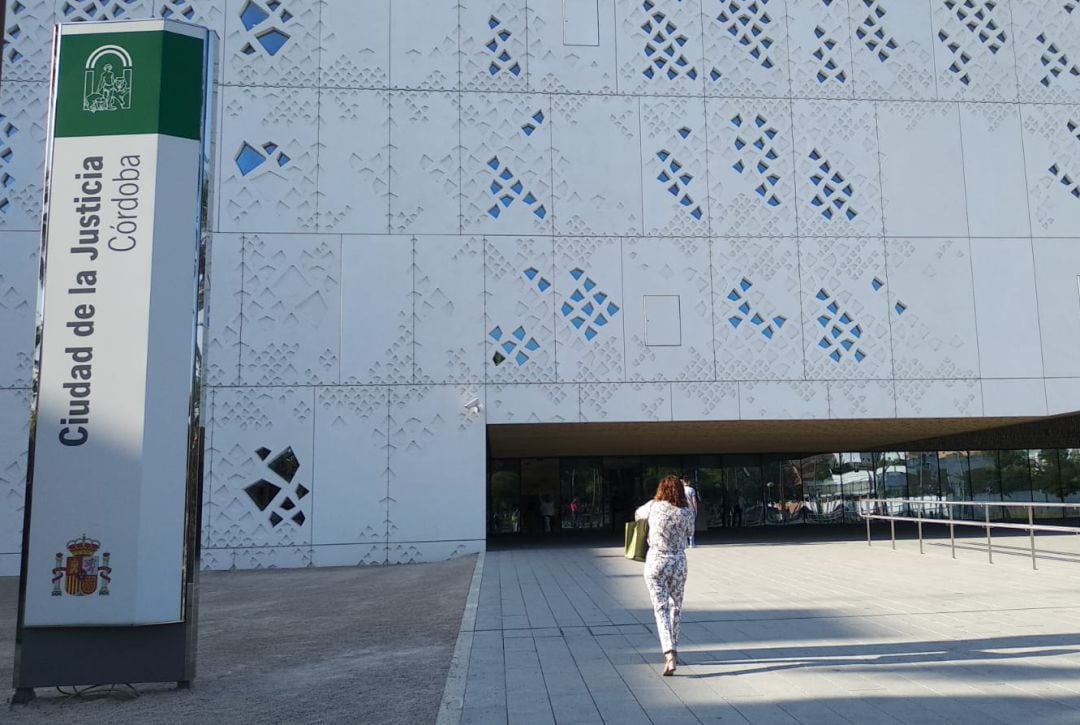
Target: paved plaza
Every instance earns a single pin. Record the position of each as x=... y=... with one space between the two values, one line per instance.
x=334 y=645
x=818 y=632
x=776 y=631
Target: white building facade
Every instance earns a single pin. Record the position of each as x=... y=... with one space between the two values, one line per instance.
x=432 y=216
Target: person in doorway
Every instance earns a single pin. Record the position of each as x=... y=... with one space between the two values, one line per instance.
x=547 y=510
x=671 y=522
x=575 y=508
x=695 y=504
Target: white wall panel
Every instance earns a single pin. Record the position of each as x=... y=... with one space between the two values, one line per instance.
x=625 y=402
x=448 y=309
x=14 y=439
x=267 y=159
x=757 y=311
x=1062 y=395
x=377 y=315
x=783 y=400
x=705 y=401
x=425 y=162
x=291 y=313
x=1052 y=150
x=354 y=144
x=837 y=171
x=414 y=552
x=532 y=403
x=83 y=11
x=493 y=45
x=562 y=56
x=931 y=308
x=1057 y=285
x=845 y=309
x=519 y=310
x=746 y=48
x=922 y=170
x=437 y=465
x=1014 y=397
x=27 y=33
x=994 y=173
x=974 y=50
x=589 y=312
x=23 y=107
x=938 y=398
x=18 y=292
x=853 y=399
x=669 y=267
x=221 y=357
x=368 y=554
x=892 y=49
x=674 y=175
x=1047 y=50
x=659 y=47
x=506 y=164
x=261 y=557
x=820 y=50
x=424 y=44
x=261 y=471
x=351 y=432
x=277 y=44
x=751 y=167
x=354 y=44
x=596 y=168
x=1006 y=308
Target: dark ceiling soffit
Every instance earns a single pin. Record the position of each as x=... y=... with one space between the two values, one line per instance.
x=657 y=438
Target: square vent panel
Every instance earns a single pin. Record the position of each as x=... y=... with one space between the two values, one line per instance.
x=663 y=321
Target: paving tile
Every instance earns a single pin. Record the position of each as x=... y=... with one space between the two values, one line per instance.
x=828 y=632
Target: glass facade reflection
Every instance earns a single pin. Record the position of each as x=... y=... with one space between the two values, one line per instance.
x=600 y=493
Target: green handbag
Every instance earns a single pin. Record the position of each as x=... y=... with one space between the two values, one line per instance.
x=637 y=540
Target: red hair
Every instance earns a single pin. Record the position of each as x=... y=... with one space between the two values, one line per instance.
x=671 y=490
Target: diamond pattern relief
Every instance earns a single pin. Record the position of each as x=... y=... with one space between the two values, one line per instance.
x=265 y=23
x=588 y=308
x=758 y=153
x=285 y=498
x=1054 y=60
x=748 y=25
x=872 y=33
x=745 y=311
x=7 y=155
x=73 y=11
x=501 y=60
x=664 y=57
x=840 y=333
x=834 y=192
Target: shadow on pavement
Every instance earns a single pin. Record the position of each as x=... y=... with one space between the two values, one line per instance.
x=347 y=644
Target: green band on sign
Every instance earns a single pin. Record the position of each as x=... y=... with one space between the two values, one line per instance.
x=126 y=83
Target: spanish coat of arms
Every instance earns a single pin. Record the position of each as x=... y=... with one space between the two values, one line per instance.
x=79 y=576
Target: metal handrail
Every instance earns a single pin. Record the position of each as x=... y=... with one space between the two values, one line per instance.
x=1031 y=527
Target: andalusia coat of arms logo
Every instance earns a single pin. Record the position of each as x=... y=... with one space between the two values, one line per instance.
x=107 y=80
x=79 y=576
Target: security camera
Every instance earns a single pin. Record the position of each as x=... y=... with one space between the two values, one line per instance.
x=473 y=406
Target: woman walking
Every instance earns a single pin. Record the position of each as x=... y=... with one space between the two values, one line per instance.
x=671 y=522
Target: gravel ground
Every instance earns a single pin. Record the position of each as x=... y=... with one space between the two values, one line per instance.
x=337 y=645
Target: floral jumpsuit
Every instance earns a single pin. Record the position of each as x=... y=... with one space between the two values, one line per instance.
x=665 y=565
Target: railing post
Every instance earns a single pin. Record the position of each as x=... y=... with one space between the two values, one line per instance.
x=919 y=524
x=866 y=515
x=892 y=531
x=989 y=543
x=952 y=532
x=1031 y=532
